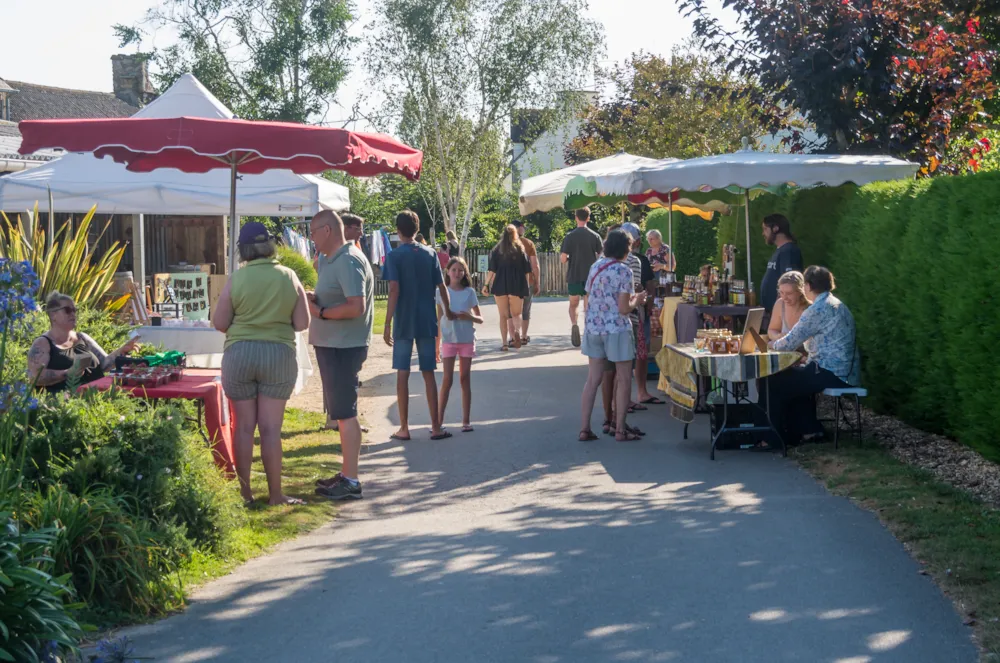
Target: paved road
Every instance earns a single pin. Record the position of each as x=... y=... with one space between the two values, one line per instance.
x=518 y=543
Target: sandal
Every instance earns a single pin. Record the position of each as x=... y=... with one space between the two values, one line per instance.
x=634 y=430
x=636 y=407
x=653 y=400
x=468 y=429
x=608 y=428
x=503 y=348
x=628 y=436
x=526 y=340
x=517 y=342
x=587 y=436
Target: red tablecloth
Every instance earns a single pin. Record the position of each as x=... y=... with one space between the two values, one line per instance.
x=197 y=384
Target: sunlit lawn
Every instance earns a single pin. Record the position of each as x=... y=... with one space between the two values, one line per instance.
x=310 y=453
x=379 y=325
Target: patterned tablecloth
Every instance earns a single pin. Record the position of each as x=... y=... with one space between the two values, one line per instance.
x=680 y=364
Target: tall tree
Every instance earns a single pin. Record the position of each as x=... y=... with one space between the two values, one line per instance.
x=450 y=72
x=898 y=76
x=683 y=106
x=266 y=59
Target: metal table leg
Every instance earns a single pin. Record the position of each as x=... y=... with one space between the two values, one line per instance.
x=724 y=428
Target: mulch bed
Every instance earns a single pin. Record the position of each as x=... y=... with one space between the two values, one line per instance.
x=949 y=461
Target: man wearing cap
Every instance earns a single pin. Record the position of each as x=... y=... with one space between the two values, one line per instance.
x=534 y=279
x=341 y=330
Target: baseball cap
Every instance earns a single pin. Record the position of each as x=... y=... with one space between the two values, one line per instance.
x=632 y=230
x=253 y=232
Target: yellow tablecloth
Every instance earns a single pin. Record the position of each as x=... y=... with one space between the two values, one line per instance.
x=680 y=364
x=667 y=320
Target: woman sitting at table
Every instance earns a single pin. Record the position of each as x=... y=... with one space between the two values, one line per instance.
x=792 y=303
x=833 y=362
x=259 y=311
x=63 y=354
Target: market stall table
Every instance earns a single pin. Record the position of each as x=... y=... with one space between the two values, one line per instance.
x=681 y=365
x=204 y=346
x=203 y=386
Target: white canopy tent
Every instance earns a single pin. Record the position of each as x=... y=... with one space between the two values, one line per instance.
x=740 y=175
x=80 y=181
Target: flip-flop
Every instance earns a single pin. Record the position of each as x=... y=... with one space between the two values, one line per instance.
x=587 y=436
x=653 y=400
x=637 y=408
x=467 y=429
x=443 y=435
x=401 y=438
x=249 y=503
x=575 y=336
x=292 y=501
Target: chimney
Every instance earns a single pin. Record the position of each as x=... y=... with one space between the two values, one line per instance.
x=130 y=75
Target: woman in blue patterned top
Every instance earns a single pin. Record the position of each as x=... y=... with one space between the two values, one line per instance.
x=834 y=360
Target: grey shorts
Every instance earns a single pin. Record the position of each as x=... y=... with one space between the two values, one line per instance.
x=339 y=369
x=259 y=368
x=616 y=347
x=526 y=306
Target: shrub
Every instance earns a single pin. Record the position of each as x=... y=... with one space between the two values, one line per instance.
x=118 y=564
x=139 y=452
x=298 y=263
x=695 y=240
x=33 y=618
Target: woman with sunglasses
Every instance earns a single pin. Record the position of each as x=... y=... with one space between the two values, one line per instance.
x=62 y=353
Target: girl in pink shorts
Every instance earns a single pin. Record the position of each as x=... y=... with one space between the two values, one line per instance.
x=458 y=337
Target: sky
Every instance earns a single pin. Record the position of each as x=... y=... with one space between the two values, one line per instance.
x=72 y=42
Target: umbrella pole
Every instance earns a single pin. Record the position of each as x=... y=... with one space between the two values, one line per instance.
x=670 y=234
x=234 y=222
x=749 y=273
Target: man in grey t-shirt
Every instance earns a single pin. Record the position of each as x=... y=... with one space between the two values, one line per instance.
x=342 y=310
x=580 y=249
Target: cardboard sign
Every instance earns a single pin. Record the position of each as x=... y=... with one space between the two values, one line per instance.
x=484 y=264
x=189 y=289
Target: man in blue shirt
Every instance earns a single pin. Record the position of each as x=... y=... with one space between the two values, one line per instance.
x=413 y=272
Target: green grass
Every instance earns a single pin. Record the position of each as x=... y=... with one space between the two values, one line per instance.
x=378 y=327
x=954 y=536
x=310 y=453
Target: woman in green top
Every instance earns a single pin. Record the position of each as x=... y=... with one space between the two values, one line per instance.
x=259 y=311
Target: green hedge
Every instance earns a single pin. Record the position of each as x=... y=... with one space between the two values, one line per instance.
x=695 y=240
x=916 y=263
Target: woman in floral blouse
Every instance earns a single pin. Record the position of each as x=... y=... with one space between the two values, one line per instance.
x=607 y=338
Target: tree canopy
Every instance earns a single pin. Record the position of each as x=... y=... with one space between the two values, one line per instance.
x=265 y=59
x=682 y=106
x=449 y=74
x=899 y=76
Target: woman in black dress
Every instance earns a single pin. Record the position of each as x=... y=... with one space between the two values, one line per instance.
x=508 y=277
x=62 y=353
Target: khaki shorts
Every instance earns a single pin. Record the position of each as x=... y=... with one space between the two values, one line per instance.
x=259 y=368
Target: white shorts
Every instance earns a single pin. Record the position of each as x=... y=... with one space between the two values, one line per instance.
x=616 y=347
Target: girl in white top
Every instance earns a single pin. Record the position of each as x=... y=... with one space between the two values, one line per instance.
x=458 y=336
x=792 y=303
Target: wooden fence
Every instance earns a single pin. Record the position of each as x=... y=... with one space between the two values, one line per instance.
x=553 y=273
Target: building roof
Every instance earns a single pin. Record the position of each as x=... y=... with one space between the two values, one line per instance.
x=10 y=142
x=4 y=87
x=40 y=102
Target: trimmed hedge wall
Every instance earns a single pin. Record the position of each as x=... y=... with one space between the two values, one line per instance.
x=917 y=263
x=695 y=240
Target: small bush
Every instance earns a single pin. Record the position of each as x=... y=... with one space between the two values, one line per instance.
x=298 y=263
x=33 y=618
x=139 y=452
x=118 y=564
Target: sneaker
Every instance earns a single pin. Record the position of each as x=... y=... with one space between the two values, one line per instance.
x=342 y=490
x=575 y=335
x=326 y=483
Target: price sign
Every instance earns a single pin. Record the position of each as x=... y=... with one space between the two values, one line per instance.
x=484 y=264
x=190 y=290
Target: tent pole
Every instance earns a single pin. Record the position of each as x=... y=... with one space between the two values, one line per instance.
x=670 y=233
x=746 y=201
x=234 y=222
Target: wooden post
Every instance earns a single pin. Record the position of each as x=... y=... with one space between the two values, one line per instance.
x=139 y=256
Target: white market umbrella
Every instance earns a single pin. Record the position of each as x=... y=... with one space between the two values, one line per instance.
x=744 y=174
x=544 y=193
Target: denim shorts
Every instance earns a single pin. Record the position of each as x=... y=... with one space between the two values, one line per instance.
x=402 y=353
x=616 y=347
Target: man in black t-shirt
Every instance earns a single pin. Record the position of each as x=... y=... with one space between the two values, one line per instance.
x=579 y=251
x=786 y=258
